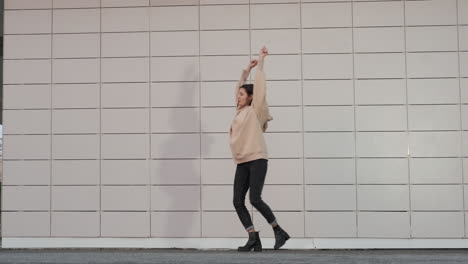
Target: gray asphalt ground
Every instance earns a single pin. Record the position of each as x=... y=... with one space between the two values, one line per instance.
x=66 y=256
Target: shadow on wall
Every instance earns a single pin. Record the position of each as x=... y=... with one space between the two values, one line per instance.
x=178 y=209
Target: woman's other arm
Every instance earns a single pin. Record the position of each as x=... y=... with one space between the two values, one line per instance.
x=245 y=74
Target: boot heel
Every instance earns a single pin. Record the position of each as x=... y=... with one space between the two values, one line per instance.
x=258 y=248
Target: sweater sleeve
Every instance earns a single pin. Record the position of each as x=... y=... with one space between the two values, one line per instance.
x=259 y=102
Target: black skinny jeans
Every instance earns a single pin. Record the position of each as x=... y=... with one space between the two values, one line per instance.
x=251 y=175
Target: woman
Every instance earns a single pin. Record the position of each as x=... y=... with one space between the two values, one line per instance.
x=250 y=154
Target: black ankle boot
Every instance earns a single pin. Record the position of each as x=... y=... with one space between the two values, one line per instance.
x=280 y=236
x=253 y=242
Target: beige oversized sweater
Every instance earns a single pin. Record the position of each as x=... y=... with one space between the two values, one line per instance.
x=246 y=133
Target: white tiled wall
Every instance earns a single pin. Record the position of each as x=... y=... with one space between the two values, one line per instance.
x=117 y=115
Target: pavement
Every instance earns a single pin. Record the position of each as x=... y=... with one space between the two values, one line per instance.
x=360 y=256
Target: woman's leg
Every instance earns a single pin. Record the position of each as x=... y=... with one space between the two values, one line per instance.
x=258 y=169
x=258 y=172
x=241 y=185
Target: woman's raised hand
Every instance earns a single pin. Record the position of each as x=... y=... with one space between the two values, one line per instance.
x=252 y=64
x=263 y=52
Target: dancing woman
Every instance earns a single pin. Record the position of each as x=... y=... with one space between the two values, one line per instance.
x=250 y=153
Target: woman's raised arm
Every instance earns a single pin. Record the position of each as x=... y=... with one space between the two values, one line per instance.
x=245 y=74
x=259 y=95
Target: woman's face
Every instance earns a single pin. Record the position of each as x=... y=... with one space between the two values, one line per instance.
x=243 y=99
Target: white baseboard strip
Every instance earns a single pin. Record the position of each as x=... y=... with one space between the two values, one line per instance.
x=229 y=243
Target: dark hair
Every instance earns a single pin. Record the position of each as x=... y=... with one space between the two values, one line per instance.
x=248 y=88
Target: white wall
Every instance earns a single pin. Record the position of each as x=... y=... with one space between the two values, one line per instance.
x=117 y=112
